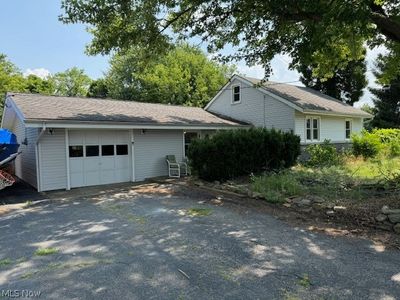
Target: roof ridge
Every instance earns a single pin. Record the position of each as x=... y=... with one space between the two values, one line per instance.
x=100 y=99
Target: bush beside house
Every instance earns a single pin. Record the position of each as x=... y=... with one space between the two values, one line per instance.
x=229 y=154
x=370 y=144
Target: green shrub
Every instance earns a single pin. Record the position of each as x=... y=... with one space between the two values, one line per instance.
x=232 y=153
x=367 y=144
x=323 y=155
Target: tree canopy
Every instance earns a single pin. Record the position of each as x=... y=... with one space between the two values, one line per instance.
x=386 y=100
x=184 y=75
x=72 y=82
x=327 y=34
x=346 y=84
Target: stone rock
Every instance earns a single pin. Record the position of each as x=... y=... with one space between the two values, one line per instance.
x=330 y=212
x=306 y=209
x=387 y=211
x=199 y=183
x=316 y=199
x=249 y=193
x=394 y=218
x=339 y=208
x=287 y=205
x=330 y=205
x=381 y=217
x=302 y=201
x=216 y=182
x=257 y=195
x=396 y=228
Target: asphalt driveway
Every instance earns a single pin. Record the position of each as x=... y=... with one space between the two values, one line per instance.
x=166 y=242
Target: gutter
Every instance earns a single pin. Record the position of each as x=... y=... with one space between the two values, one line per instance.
x=37 y=156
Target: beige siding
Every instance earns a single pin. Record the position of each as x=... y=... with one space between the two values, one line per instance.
x=331 y=128
x=254 y=108
x=53 y=169
x=150 y=149
x=25 y=163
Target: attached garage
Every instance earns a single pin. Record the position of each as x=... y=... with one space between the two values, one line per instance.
x=72 y=142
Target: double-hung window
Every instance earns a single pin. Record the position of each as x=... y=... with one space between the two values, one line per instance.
x=312 y=128
x=235 y=94
x=348 y=129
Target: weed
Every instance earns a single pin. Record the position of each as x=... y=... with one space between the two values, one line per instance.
x=28 y=203
x=305 y=281
x=5 y=262
x=199 y=212
x=46 y=251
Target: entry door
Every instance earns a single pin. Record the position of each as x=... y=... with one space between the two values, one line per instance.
x=99 y=157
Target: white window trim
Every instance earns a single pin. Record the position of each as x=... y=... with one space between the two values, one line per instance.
x=345 y=129
x=312 y=129
x=233 y=91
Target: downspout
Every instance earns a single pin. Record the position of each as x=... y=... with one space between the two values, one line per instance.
x=37 y=149
x=264 y=112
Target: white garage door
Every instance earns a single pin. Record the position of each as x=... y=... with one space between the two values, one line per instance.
x=99 y=157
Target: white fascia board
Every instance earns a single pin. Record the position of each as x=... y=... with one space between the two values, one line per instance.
x=50 y=124
x=333 y=114
x=9 y=103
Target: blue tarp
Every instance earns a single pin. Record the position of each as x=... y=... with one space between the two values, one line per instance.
x=8 y=144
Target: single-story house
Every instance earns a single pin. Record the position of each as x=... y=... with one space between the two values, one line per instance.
x=308 y=113
x=69 y=142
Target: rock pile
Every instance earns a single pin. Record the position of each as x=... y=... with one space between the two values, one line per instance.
x=390 y=217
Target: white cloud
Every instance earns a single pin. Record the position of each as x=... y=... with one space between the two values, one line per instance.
x=39 y=72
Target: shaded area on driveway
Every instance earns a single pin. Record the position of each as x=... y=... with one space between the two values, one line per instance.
x=160 y=241
x=19 y=192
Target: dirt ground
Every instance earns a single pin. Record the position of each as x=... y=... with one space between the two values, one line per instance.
x=358 y=219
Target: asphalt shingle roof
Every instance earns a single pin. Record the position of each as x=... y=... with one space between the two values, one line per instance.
x=308 y=99
x=36 y=107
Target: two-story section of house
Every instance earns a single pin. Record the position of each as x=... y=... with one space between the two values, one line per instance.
x=312 y=115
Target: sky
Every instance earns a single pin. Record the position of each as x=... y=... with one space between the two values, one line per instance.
x=32 y=38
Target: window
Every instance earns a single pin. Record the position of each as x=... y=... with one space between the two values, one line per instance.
x=107 y=150
x=308 y=127
x=92 y=151
x=236 y=94
x=312 y=129
x=122 y=149
x=75 y=151
x=348 y=129
x=189 y=137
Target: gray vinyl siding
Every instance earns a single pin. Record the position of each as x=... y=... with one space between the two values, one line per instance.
x=53 y=168
x=252 y=109
x=151 y=148
x=25 y=163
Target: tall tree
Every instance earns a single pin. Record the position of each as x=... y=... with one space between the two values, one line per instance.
x=11 y=79
x=347 y=84
x=35 y=84
x=387 y=105
x=326 y=34
x=98 y=89
x=184 y=75
x=72 y=82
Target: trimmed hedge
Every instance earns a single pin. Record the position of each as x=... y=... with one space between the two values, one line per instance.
x=232 y=153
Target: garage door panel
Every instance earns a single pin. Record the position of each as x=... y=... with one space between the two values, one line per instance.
x=77 y=180
x=91 y=164
x=103 y=165
x=76 y=165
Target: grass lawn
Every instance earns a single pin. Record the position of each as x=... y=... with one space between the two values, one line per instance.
x=347 y=181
